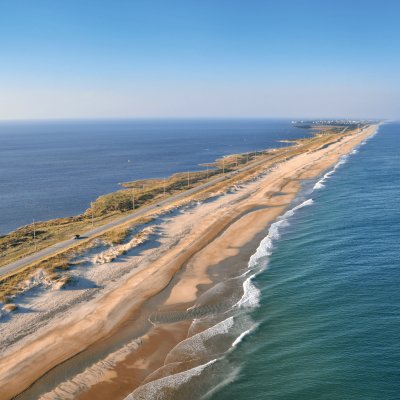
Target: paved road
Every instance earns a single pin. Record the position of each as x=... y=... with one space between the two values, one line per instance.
x=51 y=250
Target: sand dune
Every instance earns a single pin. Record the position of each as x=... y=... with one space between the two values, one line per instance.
x=169 y=277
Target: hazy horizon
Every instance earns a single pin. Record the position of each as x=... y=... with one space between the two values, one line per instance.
x=188 y=59
x=189 y=118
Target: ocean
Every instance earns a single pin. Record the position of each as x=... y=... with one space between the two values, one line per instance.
x=54 y=169
x=315 y=312
x=324 y=299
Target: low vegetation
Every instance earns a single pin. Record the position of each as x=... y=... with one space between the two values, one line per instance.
x=110 y=206
x=29 y=239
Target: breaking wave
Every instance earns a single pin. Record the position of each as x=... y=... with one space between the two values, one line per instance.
x=251 y=294
x=170 y=387
x=218 y=329
x=242 y=335
x=200 y=344
x=321 y=183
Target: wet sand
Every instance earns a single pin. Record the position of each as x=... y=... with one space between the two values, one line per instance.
x=176 y=279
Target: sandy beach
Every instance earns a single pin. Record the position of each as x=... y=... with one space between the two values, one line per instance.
x=131 y=322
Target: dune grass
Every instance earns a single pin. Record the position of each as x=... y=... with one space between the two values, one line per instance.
x=29 y=239
x=110 y=206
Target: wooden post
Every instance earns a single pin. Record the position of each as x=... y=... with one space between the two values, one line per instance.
x=34 y=235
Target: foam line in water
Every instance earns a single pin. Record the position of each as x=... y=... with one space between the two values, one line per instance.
x=266 y=245
x=321 y=183
x=242 y=335
x=230 y=377
x=155 y=389
x=251 y=294
x=195 y=346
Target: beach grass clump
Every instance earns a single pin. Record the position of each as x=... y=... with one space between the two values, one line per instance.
x=55 y=268
x=4 y=298
x=10 y=307
x=57 y=263
x=116 y=236
x=64 y=281
x=10 y=285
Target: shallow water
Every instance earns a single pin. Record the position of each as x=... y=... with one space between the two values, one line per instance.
x=328 y=311
x=315 y=312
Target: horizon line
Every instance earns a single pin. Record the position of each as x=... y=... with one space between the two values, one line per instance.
x=161 y=118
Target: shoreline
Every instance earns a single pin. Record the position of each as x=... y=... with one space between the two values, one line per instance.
x=220 y=236
x=53 y=237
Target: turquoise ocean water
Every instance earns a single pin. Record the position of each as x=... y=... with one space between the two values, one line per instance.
x=315 y=312
x=327 y=324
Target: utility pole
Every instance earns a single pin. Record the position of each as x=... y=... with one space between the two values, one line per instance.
x=223 y=166
x=236 y=161
x=91 y=206
x=247 y=158
x=188 y=178
x=207 y=172
x=34 y=235
x=164 y=186
x=133 y=198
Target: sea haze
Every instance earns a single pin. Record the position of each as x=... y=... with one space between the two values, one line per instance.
x=54 y=169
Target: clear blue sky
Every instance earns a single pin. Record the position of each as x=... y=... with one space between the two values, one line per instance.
x=117 y=58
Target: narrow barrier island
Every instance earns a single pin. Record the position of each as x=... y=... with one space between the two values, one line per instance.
x=157 y=266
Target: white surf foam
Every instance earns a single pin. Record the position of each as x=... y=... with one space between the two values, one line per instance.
x=243 y=335
x=156 y=389
x=371 y=136
x=266 y=245
x=195 y=346
x=251 y=294
x=343 y=160
x=321 y=183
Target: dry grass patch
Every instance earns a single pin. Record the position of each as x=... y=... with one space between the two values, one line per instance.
x=10 y=307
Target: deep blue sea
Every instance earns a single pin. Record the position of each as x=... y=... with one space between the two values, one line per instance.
x=327 y=326
x=54 y=169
